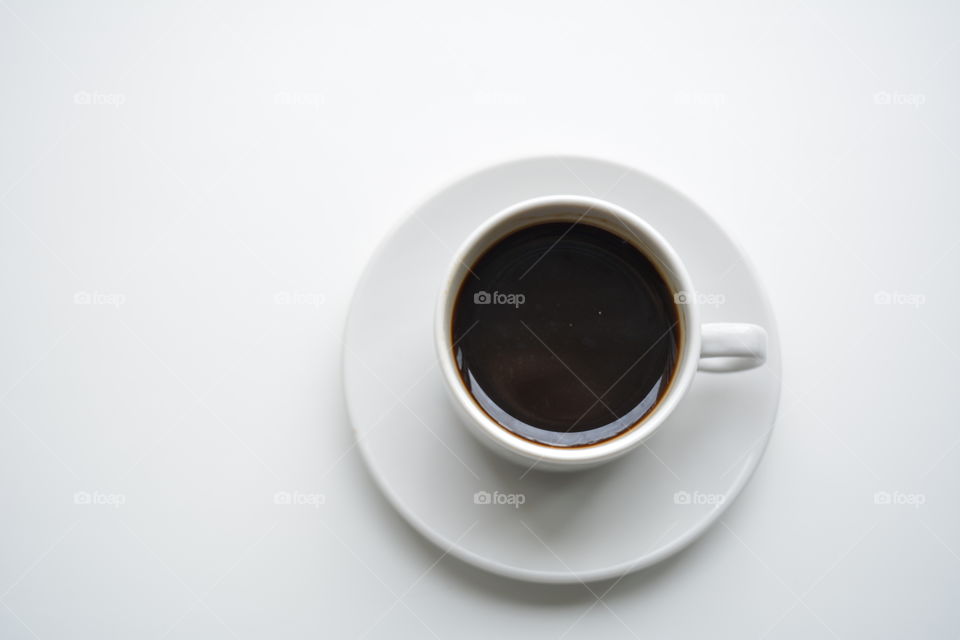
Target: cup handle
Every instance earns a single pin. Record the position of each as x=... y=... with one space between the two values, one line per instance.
x=732 y=346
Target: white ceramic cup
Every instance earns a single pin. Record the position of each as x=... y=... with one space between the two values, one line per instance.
x=716 y=347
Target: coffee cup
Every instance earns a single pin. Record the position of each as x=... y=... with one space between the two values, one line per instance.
x=541 y=309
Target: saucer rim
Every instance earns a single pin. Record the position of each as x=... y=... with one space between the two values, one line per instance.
x=751 y=460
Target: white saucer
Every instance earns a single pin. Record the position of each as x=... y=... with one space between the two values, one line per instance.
x=570 y=527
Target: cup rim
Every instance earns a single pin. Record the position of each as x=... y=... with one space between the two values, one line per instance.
x=676 y=275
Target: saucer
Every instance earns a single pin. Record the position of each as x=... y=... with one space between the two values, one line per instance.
x=526 y=523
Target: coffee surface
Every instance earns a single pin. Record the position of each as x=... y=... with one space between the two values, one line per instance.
x=565 y=334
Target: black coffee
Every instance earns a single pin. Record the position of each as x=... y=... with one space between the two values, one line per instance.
x=565 y=334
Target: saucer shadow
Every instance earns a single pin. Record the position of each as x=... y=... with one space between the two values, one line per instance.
x=473 y=579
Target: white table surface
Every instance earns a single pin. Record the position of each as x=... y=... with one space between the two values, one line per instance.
x=171 y=175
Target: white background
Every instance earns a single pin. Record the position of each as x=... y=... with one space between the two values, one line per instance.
x=168 y=174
